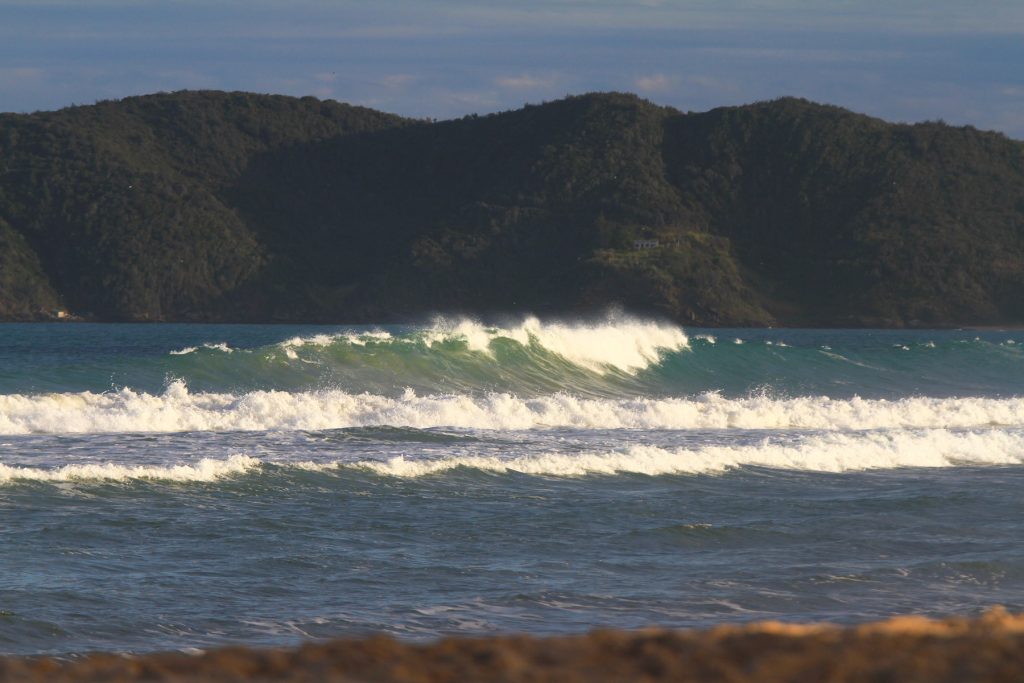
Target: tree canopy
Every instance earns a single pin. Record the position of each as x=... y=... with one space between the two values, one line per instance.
x=243 y=207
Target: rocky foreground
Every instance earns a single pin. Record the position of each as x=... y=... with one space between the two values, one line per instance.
x=904 y=649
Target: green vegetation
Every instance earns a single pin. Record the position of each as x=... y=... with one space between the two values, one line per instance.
x=123 y=202
x=233 y=206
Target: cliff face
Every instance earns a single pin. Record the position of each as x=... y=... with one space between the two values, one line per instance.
x=232 y=206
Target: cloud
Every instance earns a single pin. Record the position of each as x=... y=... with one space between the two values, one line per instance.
x=178 y=79
x=805 y=54
x=446 y=58
x=480 y=99
x=663 y=84
x=908 y=17
x=395 y=81
x=654 y=83
x=11 y=76
x=713 y=84
x=526 y=81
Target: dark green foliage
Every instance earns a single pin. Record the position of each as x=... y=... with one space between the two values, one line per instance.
x=856 y=221
x=25 y=291
x=232 y=206
x=122 y=201
x=692 y=277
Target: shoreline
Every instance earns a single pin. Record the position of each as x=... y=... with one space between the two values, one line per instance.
x=908 y=649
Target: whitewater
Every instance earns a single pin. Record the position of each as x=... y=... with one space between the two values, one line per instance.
x=185 y=486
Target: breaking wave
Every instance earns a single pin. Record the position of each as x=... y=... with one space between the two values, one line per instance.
x=619 y=343
x=527 y=357
x=207 y=469
x=827 y=453
x=614 y=357
x=178 y=410
x=838 y=452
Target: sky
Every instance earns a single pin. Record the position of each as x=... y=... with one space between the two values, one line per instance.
x=902 y=60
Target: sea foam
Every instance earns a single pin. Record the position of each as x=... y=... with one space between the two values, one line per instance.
x=177 y=410
x=834 y=453
x=827 y=453
x=207 y=469
x=220 y=346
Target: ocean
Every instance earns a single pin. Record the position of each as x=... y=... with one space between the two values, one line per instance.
x=181 y=487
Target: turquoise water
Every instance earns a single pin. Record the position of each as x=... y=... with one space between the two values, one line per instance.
x=186 y=486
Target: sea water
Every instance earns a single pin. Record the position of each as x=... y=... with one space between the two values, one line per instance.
x=186 y=486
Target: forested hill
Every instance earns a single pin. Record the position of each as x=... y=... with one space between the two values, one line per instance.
x=242 y=207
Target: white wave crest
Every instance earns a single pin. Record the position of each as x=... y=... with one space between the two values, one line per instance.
x=836 y=453
x=826 y=453
x=204 y=470
x=178 y=410
x=620 y=342
x=220 y=346
x=353 y=338
x=289 y=346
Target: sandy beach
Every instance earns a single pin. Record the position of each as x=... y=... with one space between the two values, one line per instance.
x=905 y=649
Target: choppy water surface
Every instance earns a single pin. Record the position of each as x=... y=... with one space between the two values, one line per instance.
x=175 y=486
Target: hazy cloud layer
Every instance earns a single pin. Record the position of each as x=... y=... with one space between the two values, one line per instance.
x=439 y=58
